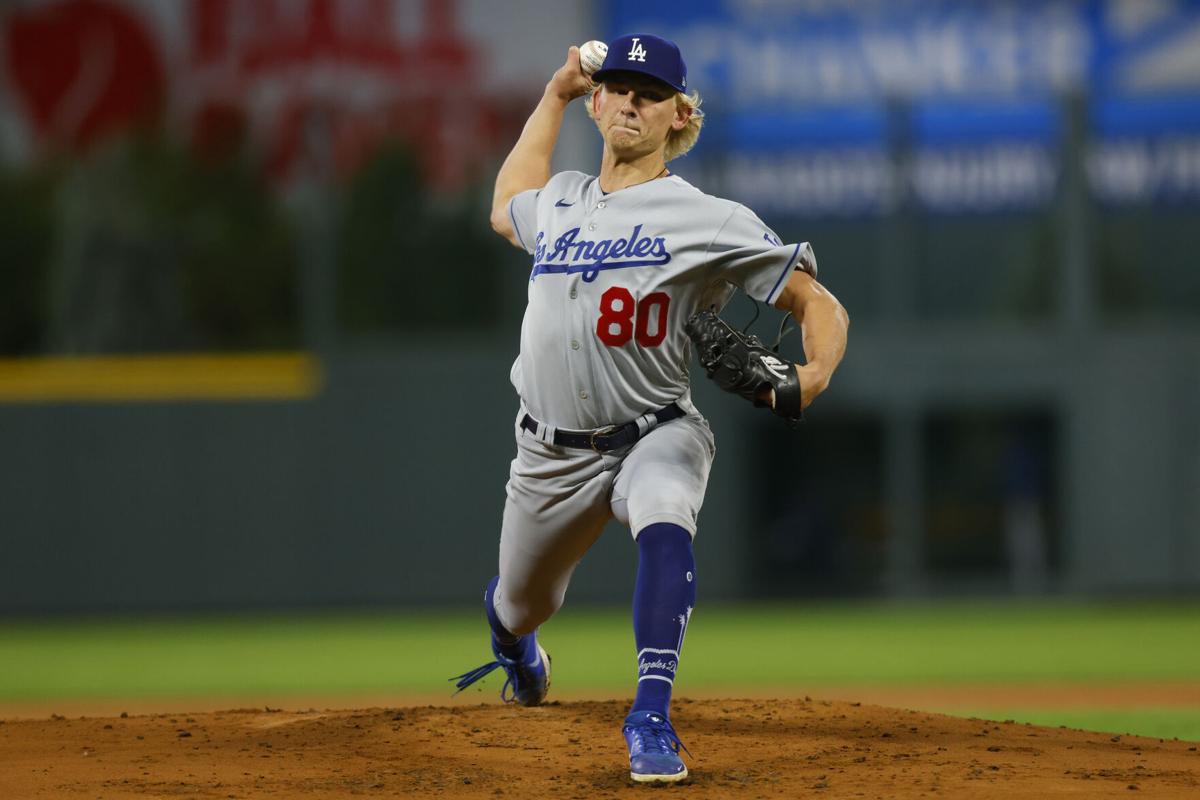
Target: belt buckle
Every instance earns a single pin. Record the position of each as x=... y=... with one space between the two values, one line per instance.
x=605 y=431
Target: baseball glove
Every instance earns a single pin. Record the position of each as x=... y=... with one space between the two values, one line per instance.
x=742 y=364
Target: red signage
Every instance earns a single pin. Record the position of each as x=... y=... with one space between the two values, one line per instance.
x=314 y=86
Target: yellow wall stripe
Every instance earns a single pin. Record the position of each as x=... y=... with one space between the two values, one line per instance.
x=248 y=376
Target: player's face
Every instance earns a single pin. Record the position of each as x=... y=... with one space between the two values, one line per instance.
x=635 y=113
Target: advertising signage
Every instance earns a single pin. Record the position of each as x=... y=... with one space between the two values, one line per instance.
x=959 y=106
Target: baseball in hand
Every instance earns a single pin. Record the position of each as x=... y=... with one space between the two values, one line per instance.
x=591 y=56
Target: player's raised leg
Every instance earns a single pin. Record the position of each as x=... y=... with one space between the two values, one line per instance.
x=557 y=507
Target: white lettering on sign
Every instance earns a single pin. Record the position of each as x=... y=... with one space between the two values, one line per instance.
x=1136 y=170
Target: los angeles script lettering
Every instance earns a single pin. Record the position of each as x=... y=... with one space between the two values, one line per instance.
x=572 y=254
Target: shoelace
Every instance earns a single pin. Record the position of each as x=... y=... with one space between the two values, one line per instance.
x=655 y=738
x=479 y=673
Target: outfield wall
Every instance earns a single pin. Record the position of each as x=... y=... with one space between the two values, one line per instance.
x=386 y=485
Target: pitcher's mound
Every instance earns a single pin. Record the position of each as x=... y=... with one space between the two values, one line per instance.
x=740 y=748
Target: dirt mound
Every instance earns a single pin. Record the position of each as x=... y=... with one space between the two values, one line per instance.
x=742 y=748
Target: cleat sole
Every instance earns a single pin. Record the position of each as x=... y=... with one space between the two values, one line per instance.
x=659 y=778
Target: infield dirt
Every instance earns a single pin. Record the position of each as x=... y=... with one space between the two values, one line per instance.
x=757 y=748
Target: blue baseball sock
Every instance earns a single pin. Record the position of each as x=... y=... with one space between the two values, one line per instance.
x=663 y=599
x=508 y=644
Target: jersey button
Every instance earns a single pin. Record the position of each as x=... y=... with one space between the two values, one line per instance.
x=602 y=204
x=574 y=294
x=574 y=345
x=591 y=226
x=582 y=395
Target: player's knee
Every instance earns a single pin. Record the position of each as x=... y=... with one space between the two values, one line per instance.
x=654 y=520
x=529 y=620
x=664 y=540
x=523 y=614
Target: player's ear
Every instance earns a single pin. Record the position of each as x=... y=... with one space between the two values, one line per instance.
x=683 y=113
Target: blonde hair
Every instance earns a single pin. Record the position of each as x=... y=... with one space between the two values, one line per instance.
x=679 y=142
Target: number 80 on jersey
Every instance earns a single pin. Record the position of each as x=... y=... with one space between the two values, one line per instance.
x=622 y=319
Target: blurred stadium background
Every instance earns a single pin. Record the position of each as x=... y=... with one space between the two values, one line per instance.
x=255 y=331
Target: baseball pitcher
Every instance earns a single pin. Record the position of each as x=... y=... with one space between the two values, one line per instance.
x=628 y=269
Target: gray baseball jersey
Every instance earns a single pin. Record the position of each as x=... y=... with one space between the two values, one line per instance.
x=614 y=278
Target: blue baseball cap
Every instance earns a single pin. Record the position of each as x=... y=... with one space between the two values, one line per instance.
x=648 y=54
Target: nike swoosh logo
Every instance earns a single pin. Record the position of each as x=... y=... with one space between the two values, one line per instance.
x=561 y=204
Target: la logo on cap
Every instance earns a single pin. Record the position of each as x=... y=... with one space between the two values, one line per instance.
x=647 y=54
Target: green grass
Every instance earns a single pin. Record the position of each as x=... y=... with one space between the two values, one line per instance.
x=798 y=645
x=744 y=648
x=1161 y=723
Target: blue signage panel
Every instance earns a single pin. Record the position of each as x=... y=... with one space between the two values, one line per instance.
x=829 y=91
x=975 y=156
x=1145 y=149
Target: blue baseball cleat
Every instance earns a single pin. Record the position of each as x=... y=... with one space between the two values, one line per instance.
x=528 y=680
x=524 y=661
x=653 y=748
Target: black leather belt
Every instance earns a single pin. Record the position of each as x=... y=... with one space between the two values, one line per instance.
x=608 y=438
